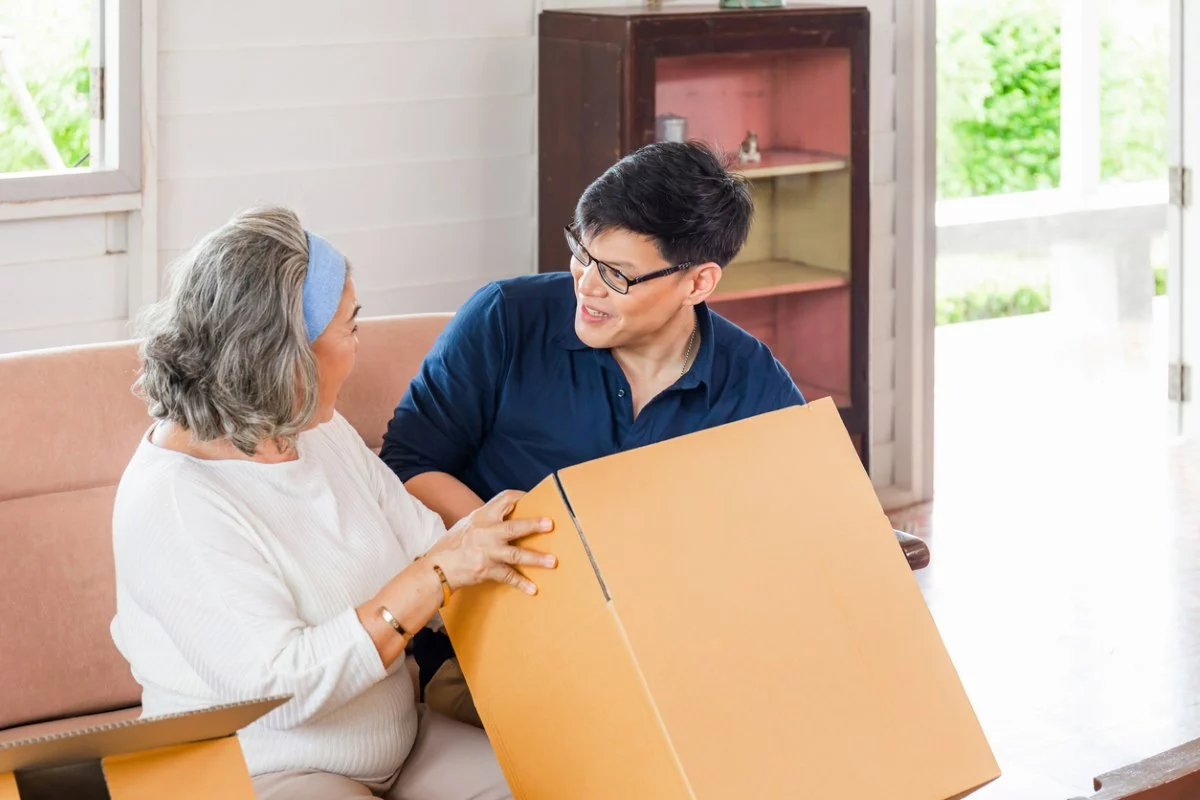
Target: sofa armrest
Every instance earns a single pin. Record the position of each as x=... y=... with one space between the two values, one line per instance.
x=915 y=550
x=1172 y=775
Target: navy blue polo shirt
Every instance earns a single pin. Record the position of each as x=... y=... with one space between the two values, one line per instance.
x=509 y=394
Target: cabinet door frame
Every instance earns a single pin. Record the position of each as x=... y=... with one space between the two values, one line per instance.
x=671 y=39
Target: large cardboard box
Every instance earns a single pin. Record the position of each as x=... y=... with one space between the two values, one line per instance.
x=731 y=618
x=192 y=756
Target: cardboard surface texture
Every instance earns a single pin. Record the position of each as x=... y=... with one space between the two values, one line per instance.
x=731 y=617
x=183 y=756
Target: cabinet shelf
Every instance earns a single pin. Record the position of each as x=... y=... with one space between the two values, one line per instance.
x=798 y=78
x=776 y=163
x=744 y=281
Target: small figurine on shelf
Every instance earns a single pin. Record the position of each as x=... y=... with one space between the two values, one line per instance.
x=749 y=152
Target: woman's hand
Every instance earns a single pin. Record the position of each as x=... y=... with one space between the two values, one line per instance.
x=479 y=547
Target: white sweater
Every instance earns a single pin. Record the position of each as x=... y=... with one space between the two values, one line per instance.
x=238 y=580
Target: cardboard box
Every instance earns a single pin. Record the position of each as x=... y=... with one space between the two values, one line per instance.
x=731 y=618
x=193 y=756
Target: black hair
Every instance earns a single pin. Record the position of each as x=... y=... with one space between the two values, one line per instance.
x=679 y=194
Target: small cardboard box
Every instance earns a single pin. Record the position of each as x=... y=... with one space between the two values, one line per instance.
x=192 y=756
x=731 y=618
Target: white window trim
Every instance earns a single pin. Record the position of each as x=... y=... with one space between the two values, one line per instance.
x=916 y=253
x=918 y=209
x=122 y=58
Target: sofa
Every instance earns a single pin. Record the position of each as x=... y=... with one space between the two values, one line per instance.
x=68 y=425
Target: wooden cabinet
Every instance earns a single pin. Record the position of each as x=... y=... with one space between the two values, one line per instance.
x=797 y=78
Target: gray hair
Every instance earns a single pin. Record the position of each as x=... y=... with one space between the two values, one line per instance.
x=226 y=353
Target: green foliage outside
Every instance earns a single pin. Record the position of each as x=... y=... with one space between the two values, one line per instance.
x=52 y=41
x=998 y=119
x=1134 y=77
x=998 y=98
x=988 y=302
x=999 y=88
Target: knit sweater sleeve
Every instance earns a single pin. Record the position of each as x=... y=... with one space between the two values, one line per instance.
x=204 y=577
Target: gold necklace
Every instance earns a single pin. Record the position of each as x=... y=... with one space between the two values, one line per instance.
x=691 y=341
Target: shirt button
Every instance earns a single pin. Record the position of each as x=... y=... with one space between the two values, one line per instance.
x=620 y=392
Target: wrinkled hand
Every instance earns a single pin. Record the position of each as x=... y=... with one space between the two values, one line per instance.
x=479 y=547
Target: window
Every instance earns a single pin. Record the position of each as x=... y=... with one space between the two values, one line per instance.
x=70 y=98
x=1051 y=94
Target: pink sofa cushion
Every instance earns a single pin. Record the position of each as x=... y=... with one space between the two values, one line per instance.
x=59 y=659
x=390 y=352
x=68 y=425
x=69 y=418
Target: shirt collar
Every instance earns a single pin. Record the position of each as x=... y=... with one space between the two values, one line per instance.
x=702 y=366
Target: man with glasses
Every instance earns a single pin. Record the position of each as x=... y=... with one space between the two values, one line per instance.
x=540 y=372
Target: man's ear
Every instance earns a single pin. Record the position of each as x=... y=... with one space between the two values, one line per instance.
x=704 y=282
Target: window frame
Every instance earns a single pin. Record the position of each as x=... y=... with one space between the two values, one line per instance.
x=120 y=143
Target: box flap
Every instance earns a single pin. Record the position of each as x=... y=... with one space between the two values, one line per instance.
x=197 y=771
x=132 y=736
x=779 y=629
x=554 y=681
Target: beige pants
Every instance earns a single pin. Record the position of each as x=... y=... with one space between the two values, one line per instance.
x=449 y=761
x=447 y=693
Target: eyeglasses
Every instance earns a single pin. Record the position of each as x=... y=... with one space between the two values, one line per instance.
x=613 y=277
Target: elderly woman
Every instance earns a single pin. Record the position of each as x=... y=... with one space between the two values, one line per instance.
x=261 y=548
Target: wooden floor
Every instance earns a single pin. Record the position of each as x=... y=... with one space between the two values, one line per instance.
x=1066 y=549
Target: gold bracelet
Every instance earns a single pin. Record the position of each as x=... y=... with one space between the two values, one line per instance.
x=446 y=590
x=395 y=623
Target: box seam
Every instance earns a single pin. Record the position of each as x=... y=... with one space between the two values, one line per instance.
x=641 y=676
x=587 y=548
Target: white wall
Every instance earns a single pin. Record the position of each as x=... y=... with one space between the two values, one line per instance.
x=63 y=280
x=403 y=131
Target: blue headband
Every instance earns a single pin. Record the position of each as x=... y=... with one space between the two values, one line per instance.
x=323 y=285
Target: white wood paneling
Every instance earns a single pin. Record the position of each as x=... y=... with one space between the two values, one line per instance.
x=70 y=207
x=883 y=416
x=319 y=76
x=883 y=465
x=883 y=261
x=427 y=297
x=883 y=313
x=471 y=251
x=882 y=370
x=912 y=457
x=269 y=140
x=403 y=132
x=64 y=292
x=230 y=24
x=35 y=240
x=883 y=157
x=883 y=49
x=63 y=335
x=883 y=105
x=883 y=364
x=354 y=197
